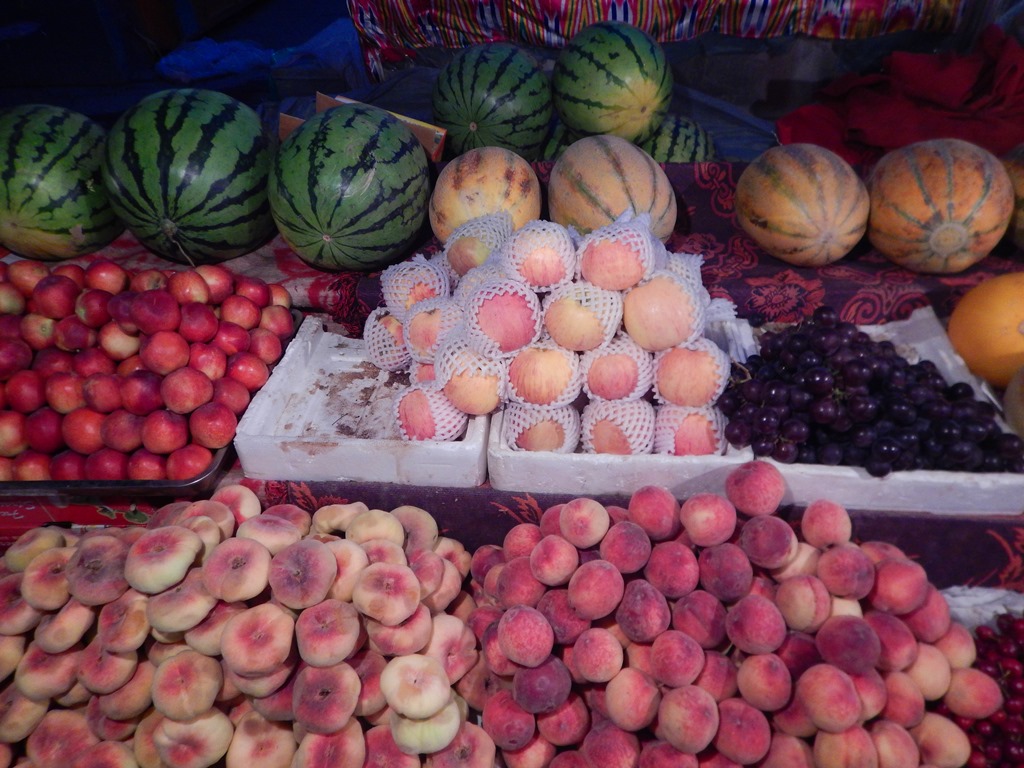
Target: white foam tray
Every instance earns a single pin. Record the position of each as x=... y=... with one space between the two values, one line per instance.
x=930 y=491
x=323 y=416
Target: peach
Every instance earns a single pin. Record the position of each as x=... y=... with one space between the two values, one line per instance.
x=632 y=698
x=260 y=685
x=744 y=734
x=931 y=620
x=543 y=687
x=40 y=675
x=567 y=724
x=688 y=718
x=824 y=523
x=627 y=546
x=506 y=722
x=453 y=644
x=583 y=522
x=258 y=640
x=850 y=643
x=385 y=551
x=931 y=671
x=302 y=573
x=160 y=557
x=597 y=655
x=708 y=519
x=595 y=589
x=893 y=744
x=346 y=748
x=566 y=624
x=95 y=572
x=764 y=681
x=60 y=733
x=180 y=608
x=328 y=632
x=515 y=583
x=237 y=569
x=186 y=684
x=941 y=742
x=381 y=751
x=274 y=533
x=241 y=500
x=480 y=683
x=755 y=488
x=12 y=648
x=725 y=571
x=701 y=615
x=608 y=745
x=972 y=694
x=829 y=697
x=871 y=688
x=386 y=592
x=655 y=509
x=553 y=560
x=472 y=747
x=958 y=646
x=846 y=571
x=324 y=698
x=805 y=562
x=44 y=585
x=525 y=636
x=672 y=568
x=852 y=746
x=754 y=624
x=429 y=568
x=200 y=741
x=351 y=559
x=520 y=540
x=898 y=645
x=57 y=632
x=259 y=741
x=134 y=698
x=904 y=702
x=901 y=586
x=769 y=541
x=19 y=715
x=102 y=671
x=676 y=658
x=30 y=543
x=370 y=524
x=369 y=665
x=793 y=720
x=643 y=612
x=804 y=602
x=415 y=686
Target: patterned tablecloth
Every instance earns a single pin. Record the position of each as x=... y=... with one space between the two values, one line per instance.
x=864 y=287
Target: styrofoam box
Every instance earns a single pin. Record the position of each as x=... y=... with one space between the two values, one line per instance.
x=919 y=337
x=325 y=413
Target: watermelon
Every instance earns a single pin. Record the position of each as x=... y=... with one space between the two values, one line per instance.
x=187 y=171
x=52 y=202
x=349 y=189
x=679 y=139
x=493 y=95
x=612 y=78
x=559 y=137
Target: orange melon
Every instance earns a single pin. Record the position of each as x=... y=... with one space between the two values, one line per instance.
x=803 y=204
x=483 y=181
x=1014 y=164
x=938 y=206
x=986 y=328
x=598 y=178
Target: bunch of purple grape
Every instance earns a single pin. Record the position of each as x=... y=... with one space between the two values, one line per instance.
x=824 y=392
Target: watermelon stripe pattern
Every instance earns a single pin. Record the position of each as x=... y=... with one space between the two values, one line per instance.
x=349 y=189
x=52 y=202
x=612 y=78
x=493 y=95
x=187 y=170
x=679 y=140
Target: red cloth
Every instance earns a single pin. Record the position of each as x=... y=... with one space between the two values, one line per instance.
x=978 y=97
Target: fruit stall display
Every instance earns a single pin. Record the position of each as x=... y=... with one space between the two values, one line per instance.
x=666 y=632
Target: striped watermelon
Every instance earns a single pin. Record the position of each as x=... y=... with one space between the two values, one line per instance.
x=612 y=78
x=52 y=202
x=187 y=169
x=493 y=95
x=559 y=137
x=679 y=139
x=349 y=189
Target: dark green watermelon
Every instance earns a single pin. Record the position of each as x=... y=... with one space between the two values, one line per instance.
x=350 y=188
x=612 y=78
x=187 y=171
x=493 y=95
x=53 y=205
x=559 y=137
x=679 y=139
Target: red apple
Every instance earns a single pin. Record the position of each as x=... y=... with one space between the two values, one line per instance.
x=220 y=279
x=38 y=331
x=72 y=334
x=145 y=465
x=130 y=365
x=198 y=321
x=117 y=343
x=212 y=425
x=11 y=300
x=32 y=466
x=106 y=464
x=25 y=391
x=10 y=325
x=50 y=360
x=155 y=310
x=15 y=355
x=74 y=271
x=248 y=369
x=25 y=273
x=67 y=465
x=188 y=285
x=106 y=275
x=91 y=307
x=278 y=319
x=185 y=389
x=122 y=431
x=231 y=393
x=279 y=296
x=240 y=311
x=164 y=431
x=102 y=392
x=43 y=430
x=140 y=392
x=65 y=391
x=92 y=360
x=81 y=429
x=147 y=280
x=188 y=461
x=231 y=337
x=120 y=309
x=13 y=437
x=54 y=296
x=254 y=288
x=266 y=345
x=209 y=359
x=164 y=351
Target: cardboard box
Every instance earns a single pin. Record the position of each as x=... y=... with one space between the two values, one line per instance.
x=308 y=422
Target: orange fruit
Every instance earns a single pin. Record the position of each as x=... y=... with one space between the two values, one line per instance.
x=986 y=328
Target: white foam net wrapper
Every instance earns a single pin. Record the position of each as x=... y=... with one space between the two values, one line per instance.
x=534 y=427
x=634 y=236
x=633 y=419
x=412 y=281
x=455 y=357
x=421 y=373
x=603 y=306
x=695 y=373
x=486 y=234
x=679 y=317
x=383 y=349
x=598 y=364
x=476 y=277
x=424 y=412
x=541 y=254
x=545 y=374
x=681 y=430
x=502 y=316
x=428 y=323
